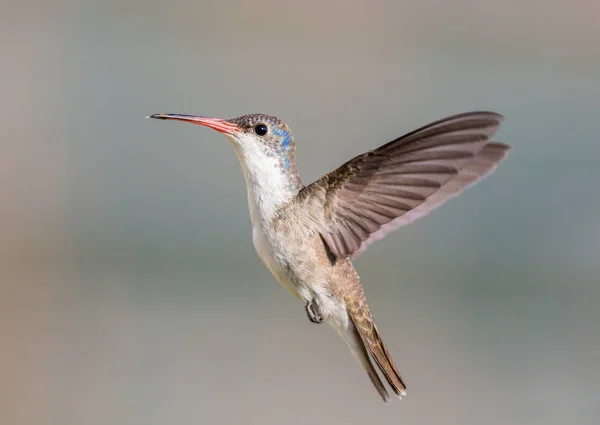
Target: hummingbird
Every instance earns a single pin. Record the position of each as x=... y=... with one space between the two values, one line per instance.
x=308 y=235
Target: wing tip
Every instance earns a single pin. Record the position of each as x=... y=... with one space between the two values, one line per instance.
x=477 y=113
x=498 y=151
x=494 y=114
x=499 y=146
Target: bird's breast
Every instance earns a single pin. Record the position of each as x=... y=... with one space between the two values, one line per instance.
x=273 y=253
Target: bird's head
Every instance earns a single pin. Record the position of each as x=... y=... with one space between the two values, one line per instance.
x=254 y=136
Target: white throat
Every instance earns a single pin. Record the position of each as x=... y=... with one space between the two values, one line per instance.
x=269 y=187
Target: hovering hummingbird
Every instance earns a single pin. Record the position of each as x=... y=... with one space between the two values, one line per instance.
x=308 y=235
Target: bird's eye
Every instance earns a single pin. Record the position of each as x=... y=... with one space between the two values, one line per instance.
x=261 y=129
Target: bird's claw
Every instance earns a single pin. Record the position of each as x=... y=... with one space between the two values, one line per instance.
x=314 y=313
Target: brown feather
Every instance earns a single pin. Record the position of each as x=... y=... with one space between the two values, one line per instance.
x=374 y=189
x=359 y=350
x=360 y=315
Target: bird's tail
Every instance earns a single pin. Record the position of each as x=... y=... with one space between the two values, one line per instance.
x=354 y=341
x=385 y=362
x=367 y=336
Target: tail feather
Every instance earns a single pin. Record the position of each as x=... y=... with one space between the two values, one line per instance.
x=386 y=363
x=358 y=323
x=380 y=354
x=354 y=341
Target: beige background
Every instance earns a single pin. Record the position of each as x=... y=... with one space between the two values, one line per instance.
x=130 y=292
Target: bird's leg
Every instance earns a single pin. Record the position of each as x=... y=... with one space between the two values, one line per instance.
x=314 y=312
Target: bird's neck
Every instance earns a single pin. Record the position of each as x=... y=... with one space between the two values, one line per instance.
x=272 y=182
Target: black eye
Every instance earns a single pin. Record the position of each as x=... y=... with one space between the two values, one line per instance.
x=261 y=129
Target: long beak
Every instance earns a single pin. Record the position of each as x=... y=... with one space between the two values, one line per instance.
x=221 y=125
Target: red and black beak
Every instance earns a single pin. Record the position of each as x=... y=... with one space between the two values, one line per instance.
x=221 y=125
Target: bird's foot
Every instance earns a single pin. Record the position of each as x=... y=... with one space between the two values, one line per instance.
x=315 y=314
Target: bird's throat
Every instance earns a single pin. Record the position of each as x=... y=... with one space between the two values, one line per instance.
x=271 y=182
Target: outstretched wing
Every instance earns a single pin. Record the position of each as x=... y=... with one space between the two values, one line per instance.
x=376 y=192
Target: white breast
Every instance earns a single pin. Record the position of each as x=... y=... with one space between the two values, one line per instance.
x=268 y=190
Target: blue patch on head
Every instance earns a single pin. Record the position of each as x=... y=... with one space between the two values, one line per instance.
x=285 y=144
x=286 y=138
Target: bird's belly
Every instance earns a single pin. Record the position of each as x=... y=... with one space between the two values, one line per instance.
x=275 y=259
x=297 y=272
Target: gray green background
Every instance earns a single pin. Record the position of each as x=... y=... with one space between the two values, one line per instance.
x=130 y=292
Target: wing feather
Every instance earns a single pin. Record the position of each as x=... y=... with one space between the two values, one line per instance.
x=376 y=192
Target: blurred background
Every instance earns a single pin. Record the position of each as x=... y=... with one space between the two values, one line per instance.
x=130 y=292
